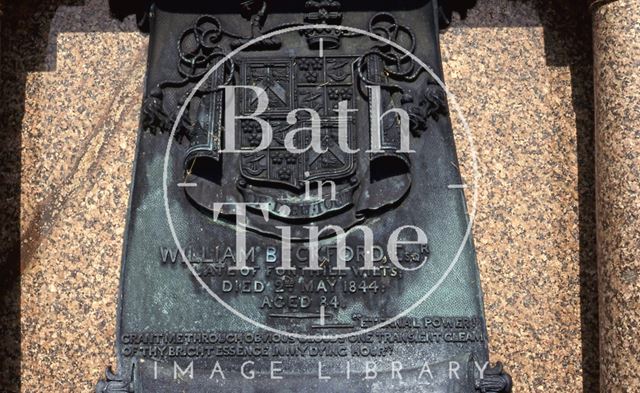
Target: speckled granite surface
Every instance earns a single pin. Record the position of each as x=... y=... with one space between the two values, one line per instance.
x=522 y=74
x=71 y=91
x=77 y=156
x=617 y=80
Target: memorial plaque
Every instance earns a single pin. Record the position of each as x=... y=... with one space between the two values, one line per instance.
x=297 y=219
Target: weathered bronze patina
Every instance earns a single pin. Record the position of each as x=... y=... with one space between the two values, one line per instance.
x=172 y=334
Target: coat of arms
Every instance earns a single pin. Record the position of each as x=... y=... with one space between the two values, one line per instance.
x=332 y=186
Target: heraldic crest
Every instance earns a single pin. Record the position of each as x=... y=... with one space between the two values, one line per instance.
x=332 y=187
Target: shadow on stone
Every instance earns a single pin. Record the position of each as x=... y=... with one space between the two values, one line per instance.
x=27 y=44
x=568 y=43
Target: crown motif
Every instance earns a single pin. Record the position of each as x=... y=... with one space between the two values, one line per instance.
x=323 y=12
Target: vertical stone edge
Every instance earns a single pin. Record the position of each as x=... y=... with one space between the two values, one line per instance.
x=616 y=40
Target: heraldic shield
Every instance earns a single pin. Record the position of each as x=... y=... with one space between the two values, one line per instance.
x=316 y=83
x=331 y=186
